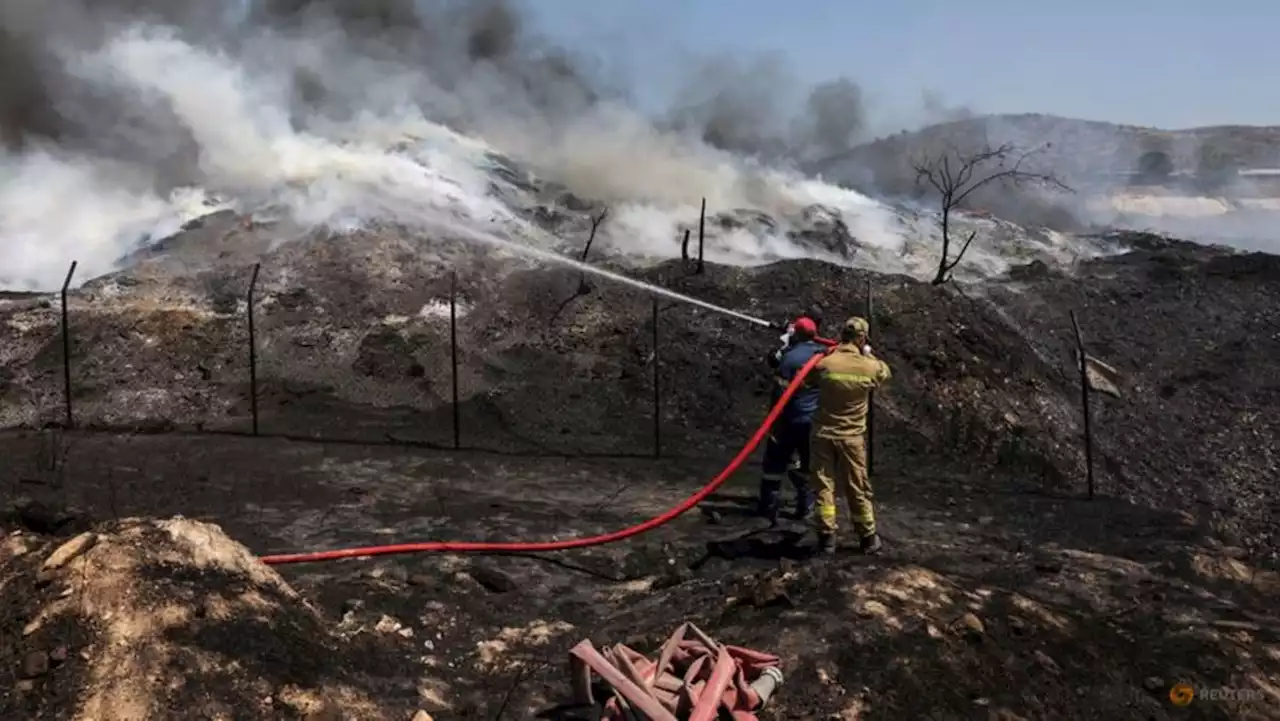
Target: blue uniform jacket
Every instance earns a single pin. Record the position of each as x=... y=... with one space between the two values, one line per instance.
x=804 y=404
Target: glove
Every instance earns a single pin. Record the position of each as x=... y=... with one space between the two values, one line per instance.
x=866 y=350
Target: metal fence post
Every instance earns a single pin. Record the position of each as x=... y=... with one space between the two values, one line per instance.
x=657 y=387
x=66 y=347
x=871 y=397
x=453 y=357
x=253 y=350
x=702 y=228
x=1082 y=357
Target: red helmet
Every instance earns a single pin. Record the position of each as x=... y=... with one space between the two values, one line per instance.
x=805 y=327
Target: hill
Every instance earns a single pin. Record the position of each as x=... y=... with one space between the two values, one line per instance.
x=1082 y=152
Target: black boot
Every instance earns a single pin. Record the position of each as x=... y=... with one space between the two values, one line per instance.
x=767 y=505
x=871 y=545
x=805 y=501
x=769 y=514
x=804 y=511
x=826 y=544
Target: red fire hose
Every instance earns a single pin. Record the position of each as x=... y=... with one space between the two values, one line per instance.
x=545 y=546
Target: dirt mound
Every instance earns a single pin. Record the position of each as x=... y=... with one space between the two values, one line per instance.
x=1192 y=333
x=172 y=619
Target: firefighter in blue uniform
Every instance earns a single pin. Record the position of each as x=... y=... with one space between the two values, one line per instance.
x=789 y=435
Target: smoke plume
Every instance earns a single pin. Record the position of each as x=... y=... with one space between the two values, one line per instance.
x=121 y=119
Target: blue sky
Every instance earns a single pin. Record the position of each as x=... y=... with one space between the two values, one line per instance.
x=1172 y=64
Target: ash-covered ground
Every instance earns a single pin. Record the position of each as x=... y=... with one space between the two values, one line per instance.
x=1004 y=594
x=316 y=149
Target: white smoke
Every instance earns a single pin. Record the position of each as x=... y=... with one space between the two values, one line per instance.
x=55 y=208
x=385 y=163
x=59 y=207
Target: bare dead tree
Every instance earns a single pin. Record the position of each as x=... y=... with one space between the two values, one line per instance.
x=583 y=287
x=956 y=176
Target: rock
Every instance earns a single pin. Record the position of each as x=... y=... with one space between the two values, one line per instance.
x=1033 y=270
x=41 y=517
x=58 y=656
x=17 y=545
x=969 y=627
x=421 y=716
x=670 y=577
x=1048 y=565
x=1102 y=377
x=1047 y=663
x=328 y=711
x=396 y=573
x=34 y=665
x=770 y=592
x=824 y=228
x=69 y=551
x=492 y=579
x=873 y=609
x=1235 y=552
x=387 y=624
x=1153 y=684
x=1017 y=626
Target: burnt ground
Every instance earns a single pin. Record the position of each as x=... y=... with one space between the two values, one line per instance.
x=1076 y=609
x=354 y=345
x=978 y=457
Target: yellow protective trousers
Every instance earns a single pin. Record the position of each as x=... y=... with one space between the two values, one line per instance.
x=842 y=462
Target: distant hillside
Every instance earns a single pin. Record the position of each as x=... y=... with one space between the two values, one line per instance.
x=1081 y=152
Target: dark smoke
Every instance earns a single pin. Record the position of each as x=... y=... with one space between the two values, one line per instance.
x=733 y=104
x=459 y=44
x=43 y=103
x=936 y=110
x=480 y=56
x=749 y=105
x=461 y=62
x=835 y=119
x=481 y=53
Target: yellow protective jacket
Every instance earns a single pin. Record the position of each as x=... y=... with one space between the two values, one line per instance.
x=845 y=379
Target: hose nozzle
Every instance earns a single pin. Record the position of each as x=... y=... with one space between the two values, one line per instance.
x=768 y=683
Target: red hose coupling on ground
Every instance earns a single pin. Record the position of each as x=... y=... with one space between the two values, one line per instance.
x=694 y=678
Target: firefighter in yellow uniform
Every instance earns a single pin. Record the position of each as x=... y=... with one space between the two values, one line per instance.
x=838 y=450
